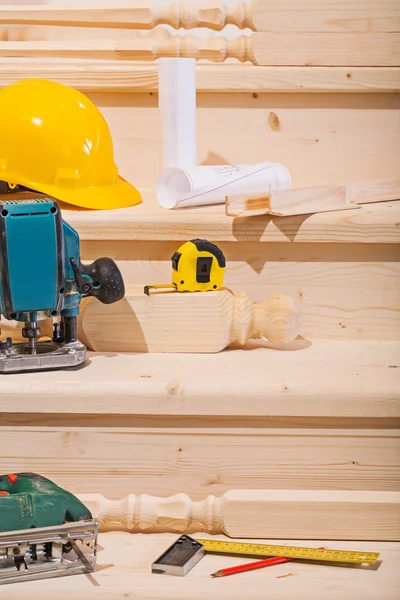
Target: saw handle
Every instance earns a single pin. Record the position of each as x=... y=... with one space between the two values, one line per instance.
x=108 y=284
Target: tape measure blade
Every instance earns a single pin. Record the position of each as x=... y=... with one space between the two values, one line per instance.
x=301 y=553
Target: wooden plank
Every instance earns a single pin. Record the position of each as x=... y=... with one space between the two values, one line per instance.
x=124 y=564
x=322 y=139
x=296 y=49
x=131 y=76
x=293 y=384
x=259 y=15
x=168 y=460
x=312 y=200
x=374 y=191
x=289 y=202
x=148 y=221
x=344 y=291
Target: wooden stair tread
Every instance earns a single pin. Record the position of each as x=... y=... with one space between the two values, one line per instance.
x=371 y=223
x=324 y=379
x=124 y=570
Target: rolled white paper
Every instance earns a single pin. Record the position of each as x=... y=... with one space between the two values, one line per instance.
x=177 y=103
x=195 y=186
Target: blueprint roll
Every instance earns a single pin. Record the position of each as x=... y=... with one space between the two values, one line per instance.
x=196 y=186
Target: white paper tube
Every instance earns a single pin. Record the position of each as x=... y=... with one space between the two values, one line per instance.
x=195 y=186
x=177 y=103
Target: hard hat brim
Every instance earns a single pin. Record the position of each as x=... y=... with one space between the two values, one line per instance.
x=107 y=197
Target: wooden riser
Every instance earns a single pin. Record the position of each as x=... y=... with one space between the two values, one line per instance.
x=114 y=461
x=321 y=138
x=345 y=291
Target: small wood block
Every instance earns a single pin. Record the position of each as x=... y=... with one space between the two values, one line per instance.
x=377 y=190
x=289 y=202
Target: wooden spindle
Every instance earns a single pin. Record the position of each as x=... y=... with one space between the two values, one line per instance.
x=317 y=49
x=258 y=15
x=284 y=514
x=169 y=321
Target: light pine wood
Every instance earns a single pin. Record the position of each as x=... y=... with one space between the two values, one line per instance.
x=259 y=15
x=124 y=564
x=133 y=76
x=373 y=191
x=304 y=514
x=312 y=200
x=148 y=221
x=296 y=49
x=322 y=139
x=169 y=321
x=162 y=457
x=344 y=291
x=289 y=202
x=290 y=383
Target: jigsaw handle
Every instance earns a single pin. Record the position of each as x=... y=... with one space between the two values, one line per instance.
x=108 y=284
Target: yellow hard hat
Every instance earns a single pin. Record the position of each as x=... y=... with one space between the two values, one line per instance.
x=54 y=140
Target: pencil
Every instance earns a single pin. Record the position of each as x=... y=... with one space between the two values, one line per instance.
x=276 y=560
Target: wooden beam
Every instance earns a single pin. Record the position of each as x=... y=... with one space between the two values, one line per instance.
x=288 y=382
x=308 y=514
x=312 y=200
x=259 y=15
x=148 y=221
x=131 y=76
x=284 y=49
x=165 y=456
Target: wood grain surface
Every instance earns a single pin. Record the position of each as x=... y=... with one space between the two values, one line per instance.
x=360 y=49
x=344 y=291
x=290 y=382
x=124 y=565
x=89 y=457
x=260 y=15
x=322 y=139
x=133 y=76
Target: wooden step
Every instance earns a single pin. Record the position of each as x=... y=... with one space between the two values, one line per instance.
x=371 y=223
x=322 y=379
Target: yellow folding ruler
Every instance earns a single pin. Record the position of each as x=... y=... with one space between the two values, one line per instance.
x=260 y=550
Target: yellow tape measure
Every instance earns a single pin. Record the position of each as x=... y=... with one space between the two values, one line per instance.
x=260 y=550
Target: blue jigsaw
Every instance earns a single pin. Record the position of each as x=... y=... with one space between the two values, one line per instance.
x=41 y=276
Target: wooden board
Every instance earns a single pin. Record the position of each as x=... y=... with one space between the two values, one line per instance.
x=344 y=291
x=290 y=383
x=322 y=139
x=277 y=48
x=260 y=15
x=148 y=221
x=133 y=76
x=124 y=571
x=312 y=200
x=289 y=202
x=88 y=456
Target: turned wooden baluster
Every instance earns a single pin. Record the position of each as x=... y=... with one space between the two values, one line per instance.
x=144 y=14
x=169 y=322
x=339 y=49
x=284 y=514
x=258 y=15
